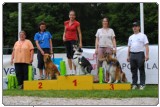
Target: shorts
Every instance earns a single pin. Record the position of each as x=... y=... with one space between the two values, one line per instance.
x=103 y=50
x=69 y=48
x=40 y=57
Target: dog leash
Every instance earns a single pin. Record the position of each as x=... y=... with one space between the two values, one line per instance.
x=110 y=66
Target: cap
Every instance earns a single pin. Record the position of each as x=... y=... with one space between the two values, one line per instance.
x=135 y=24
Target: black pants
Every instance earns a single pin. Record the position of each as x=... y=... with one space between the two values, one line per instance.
x=69 y=48
x=21 y=72
x=40 y=57
x=137 y=63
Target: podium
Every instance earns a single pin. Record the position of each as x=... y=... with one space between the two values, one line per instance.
x=81 y=82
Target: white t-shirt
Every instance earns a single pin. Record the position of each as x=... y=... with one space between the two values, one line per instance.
x=137 y=42
x=105 y=37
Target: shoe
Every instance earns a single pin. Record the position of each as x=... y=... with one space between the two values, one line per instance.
x=141 y=87
x=134 y=87
x=73 y=72
x=69 y=72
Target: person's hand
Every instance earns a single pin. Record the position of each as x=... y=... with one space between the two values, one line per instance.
x=52 y=55
x=31 y=60
x=42 y=52
x=96 y=51
x=128 y=59
x=114 y=51
x=80 y=45
x=11 y=61
x=146 y=58
x=64 y=39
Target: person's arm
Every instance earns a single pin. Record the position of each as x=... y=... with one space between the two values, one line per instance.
x=32 y=55
x=12 y=57
x=147 y=52
x=39 y=48
x=64 y=39
x=80 y=36
x=51 y=47
x=96 y=45
x=114 y=45
x=128 y=55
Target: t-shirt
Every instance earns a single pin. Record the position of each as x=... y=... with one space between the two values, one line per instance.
x=22 y=51
x=43 y=39
x=71 y=30
x=105 y=37
x=137 y=42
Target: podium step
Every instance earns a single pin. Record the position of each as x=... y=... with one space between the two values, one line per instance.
x=83 y=82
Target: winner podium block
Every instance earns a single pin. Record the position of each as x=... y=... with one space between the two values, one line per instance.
x=82 y=82
x=75 y=82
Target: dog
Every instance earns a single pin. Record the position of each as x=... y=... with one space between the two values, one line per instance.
x=112 y=67
x=50 y=68
x=83 y=66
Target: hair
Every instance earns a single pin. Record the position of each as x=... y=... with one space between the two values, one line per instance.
x=106 y=19
x=72 y=11
x=23 y=32
x=41 y=23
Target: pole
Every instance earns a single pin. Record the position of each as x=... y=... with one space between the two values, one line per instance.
x=142 y=17
x=19 y=18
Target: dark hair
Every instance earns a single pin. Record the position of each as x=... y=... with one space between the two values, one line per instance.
x=72 y=11
x=106 y=19
x=41 y=23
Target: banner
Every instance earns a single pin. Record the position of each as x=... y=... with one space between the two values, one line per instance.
x=151 y=66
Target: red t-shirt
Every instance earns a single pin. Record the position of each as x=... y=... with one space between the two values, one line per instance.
x=71 y=31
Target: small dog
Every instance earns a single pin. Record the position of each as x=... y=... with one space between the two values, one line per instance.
x=113 y=68
x=50 y=68
x=83 y=66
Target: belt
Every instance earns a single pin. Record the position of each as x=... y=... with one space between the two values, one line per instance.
x=136 y=52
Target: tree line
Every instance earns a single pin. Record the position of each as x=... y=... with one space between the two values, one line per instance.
x=121 y=17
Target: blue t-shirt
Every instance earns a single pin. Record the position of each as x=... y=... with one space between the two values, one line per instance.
x=43 y=39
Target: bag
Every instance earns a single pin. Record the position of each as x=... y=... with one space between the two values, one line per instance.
x=12 y=81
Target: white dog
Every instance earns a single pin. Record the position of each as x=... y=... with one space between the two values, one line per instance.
x=83 y=66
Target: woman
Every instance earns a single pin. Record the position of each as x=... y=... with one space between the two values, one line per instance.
x=22 y=56
x=105 y=41
x=43 y=41
x=70 y=38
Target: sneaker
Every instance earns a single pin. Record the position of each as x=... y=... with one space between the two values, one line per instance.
x=69 y=72
x=134 y=87
x=141 y=87
x=73 y=72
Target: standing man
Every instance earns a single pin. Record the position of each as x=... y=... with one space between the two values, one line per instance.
x=137 y=44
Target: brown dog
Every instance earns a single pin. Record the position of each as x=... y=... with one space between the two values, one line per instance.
x=113 y=68
x=50 y=68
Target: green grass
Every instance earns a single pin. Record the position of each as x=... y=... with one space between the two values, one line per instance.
x=149 y=91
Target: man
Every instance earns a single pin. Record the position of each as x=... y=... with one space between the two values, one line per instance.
x=137 y=44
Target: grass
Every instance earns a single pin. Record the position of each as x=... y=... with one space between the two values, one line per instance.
x=149 y=91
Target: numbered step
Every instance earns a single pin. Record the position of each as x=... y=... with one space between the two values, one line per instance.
x=75 y=82
x=41 y=85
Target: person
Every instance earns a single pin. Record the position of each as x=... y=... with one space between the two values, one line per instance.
x=22 y=56
x=70 y=38
x=105 y=42
x=43 y=41
x=136 y=44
